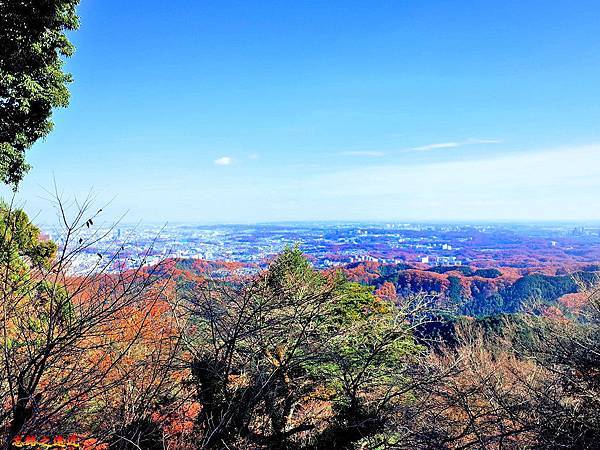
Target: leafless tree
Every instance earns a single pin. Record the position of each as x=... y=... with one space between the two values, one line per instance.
x=66 y=335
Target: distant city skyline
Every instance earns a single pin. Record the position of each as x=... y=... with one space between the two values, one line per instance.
x=251 y=112
x=334 y=244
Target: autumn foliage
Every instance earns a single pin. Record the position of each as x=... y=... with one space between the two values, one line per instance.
x=192 y=354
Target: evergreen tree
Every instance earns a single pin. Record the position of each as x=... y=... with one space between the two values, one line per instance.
x=33 y=42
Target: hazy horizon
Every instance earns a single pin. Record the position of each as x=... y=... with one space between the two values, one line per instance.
x=330 y=223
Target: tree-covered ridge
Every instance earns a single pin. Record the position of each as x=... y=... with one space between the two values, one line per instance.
x=478 y=291
x=461 y=290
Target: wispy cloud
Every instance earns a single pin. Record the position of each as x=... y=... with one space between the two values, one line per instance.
x=224 y=161
x=254 y=156
x=362 y=153
x=424 y=148
x=470 y=141
x=474 y=141
x=501 y=186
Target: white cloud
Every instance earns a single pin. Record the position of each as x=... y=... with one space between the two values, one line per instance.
x=424 y=148
x=362 y=153
x=224 y=161
x=474 y=141
x=253 y=156
x=470 y=141
x=551 y=184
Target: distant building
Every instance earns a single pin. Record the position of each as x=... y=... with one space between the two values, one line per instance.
x=447 y=261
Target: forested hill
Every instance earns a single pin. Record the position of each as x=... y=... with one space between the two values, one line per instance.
x=479 y=292
x=462 y=290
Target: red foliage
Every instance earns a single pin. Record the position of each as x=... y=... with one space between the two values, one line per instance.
x=387 y=292
x=574 y=302
x=362 y=272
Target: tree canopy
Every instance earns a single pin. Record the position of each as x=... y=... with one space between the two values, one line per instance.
x=33 y=43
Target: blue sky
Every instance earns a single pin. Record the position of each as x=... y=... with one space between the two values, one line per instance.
x=220 y=111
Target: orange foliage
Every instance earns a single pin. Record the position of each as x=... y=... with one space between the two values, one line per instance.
x=574 y=302
x=387 y=292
